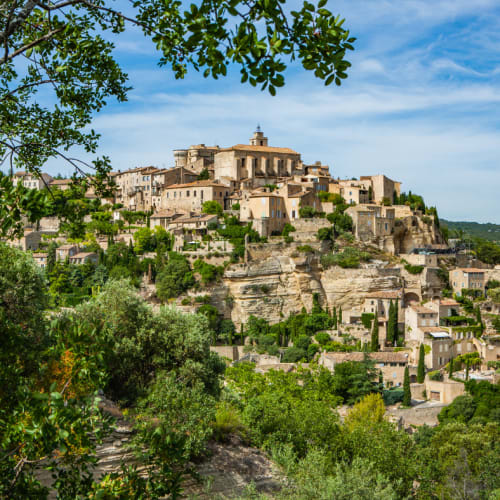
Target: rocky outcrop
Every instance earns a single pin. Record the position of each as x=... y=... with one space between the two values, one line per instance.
x=275 y=287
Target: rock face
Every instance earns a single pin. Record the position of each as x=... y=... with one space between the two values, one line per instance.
x=274 y=287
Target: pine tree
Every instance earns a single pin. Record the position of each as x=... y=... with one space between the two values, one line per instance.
x=421 y=365
x=406 y=388
x=374 y=339
x=335 y=322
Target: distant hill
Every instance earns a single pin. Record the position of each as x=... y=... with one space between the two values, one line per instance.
x=487 y=231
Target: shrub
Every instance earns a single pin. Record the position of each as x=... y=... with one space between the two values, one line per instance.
x=436 y=375
x=323 y=338
x=414 y=269
x=212 y=207
x=303 y=342
x=325 y=233
x=287 y=229
x=294 y=354
x=348 y=258
x=307 y=212
x=235 y=206
x=186 y=301
x=305 y=248
x=227 y=422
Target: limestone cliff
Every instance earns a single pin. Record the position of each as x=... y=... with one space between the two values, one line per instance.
x=276 y=286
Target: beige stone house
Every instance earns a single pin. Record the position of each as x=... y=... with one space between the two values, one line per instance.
x=195 y=223
x=265 y=209
x=32 y=181
x=381 y=187
x=164 y=217
x=66 y=251
x=371 y=221
x=40 y=259
x=168 y=177
x=82 y=257
x=62 y=184
x=422 y=327
x=391 y=364
x=353 y=191
x=191 y=196
x=469 y=277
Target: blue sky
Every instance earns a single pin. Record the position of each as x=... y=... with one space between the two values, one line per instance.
x=421 y=105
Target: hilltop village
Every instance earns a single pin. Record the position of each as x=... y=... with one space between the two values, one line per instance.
x=257 y=320
x=289 y=263
x=261 y=237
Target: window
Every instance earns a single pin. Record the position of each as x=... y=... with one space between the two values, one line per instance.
x=194 y=194
x=167 y=194
x=187 y=194
x=272 y=213
x=175 y=194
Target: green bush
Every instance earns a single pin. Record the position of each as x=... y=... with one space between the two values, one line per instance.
x=227 y=422
x=307 y=212
x=393 y=396
x=235 y=206
x=436 y=375
x=186 y=301
x=322 y=338
x=414 y=269
x=294 y=355
x=212 y=207
x=305 y=248
x=349 y=258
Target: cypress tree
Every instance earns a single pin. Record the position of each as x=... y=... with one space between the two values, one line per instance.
x=421 y=365
x=242 y=336
x=340 y=316
x=390 y=325
x=335 y=323
x=395 y=320
x=466 y=370
x=450 y=367
x=374 y=339
x=406 y=389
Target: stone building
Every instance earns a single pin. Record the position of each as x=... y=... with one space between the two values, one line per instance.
x=265 y=209
x=191 y=196
x=354 y=191
x=196 y=157
x=257 y=161
x=468 y=278
x=32 y=181
x=391 y=364
x=422 y=327
x=382 y=187
x=83 y=257
x=371 y=221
